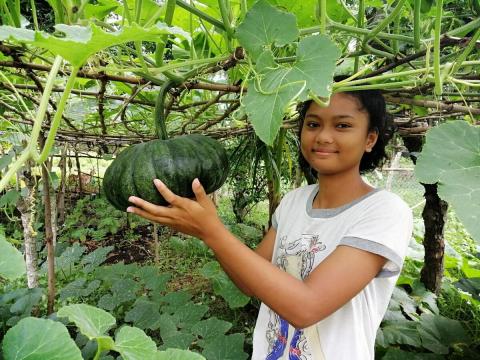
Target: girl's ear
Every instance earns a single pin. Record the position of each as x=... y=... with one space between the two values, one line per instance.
x=371 y=140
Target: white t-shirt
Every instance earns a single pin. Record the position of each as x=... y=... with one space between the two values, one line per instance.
x=379 y=222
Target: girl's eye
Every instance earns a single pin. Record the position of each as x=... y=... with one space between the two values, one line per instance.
x=311 y=124
x=343 y=126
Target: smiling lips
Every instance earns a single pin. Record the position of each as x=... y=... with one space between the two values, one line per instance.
x=324 y=152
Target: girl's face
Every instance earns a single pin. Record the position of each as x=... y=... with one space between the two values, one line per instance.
x=334 y=138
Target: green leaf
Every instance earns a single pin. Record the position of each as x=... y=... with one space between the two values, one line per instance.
x=171 y=336
x=189 y=315
x=38 y=339
x=95 y=258
x=12 y=264
x=223 y=286
x=397 y=354
x=69 y=257
x=80 y=42
x=152 y=279
x=265 y=25
x=402 y=301
x=276 y=86
x=211 y=328
x=133 y=344
x=401 y=332
x=24 y=304
x=100 y=9
x=225 y=348
x=438 y=333
x=5 y=160
x=314 y=68
x=451 y=157
x=9 y=198
x=266 y=111
x=178 y=354
x=78 y=288
x=471 y=285
x=91 y=321
x=144 y=314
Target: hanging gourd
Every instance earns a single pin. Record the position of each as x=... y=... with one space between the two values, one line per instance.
x=176 y=162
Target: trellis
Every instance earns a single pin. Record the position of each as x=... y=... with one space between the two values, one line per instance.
x=370 y=42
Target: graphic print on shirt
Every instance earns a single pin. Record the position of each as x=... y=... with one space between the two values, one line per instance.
x=297 y=258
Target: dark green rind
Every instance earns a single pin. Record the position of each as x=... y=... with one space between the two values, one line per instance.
x=176 y=162
x=126 y=185
x=144 y=173
x=112 y=177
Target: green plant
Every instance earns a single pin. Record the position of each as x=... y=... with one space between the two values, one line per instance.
x=26 y=339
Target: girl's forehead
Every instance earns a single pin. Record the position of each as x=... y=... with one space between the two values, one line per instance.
x=339 y=102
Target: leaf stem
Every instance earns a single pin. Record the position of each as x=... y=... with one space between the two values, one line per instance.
x=354 y=30
x=201 y=14
x=322 y=18
x=416 y=23
x=463 y=56
x=436 y=48
x=360 y=25
x=225 y=13
x=387 y=20
x=56 y=119
x=170 y=9
x=34 y=14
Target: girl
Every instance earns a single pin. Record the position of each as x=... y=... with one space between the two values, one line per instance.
x=327 y=268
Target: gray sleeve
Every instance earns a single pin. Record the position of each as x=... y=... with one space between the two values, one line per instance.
x=394 y=262
x=274 y=220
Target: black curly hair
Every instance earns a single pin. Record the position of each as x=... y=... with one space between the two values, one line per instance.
x=373 y=103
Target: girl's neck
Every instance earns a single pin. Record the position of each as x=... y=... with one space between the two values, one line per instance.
x=335 y=191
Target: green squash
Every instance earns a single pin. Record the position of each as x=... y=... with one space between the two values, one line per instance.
x=176 y=162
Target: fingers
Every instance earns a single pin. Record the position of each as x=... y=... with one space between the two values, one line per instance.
x=148 y=215
x=148 y=207
x=199 y=192
x=167 y=194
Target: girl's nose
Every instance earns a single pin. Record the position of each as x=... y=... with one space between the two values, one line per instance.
x=324 y=135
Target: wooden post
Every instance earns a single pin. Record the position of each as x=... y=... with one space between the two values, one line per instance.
x=434 y=217
x=26 y=206
x=49 y=240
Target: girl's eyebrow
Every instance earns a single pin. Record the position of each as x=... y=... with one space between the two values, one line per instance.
x=342 y=116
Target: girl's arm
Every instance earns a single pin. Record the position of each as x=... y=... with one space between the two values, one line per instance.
x=264 y=249
x=301 y=302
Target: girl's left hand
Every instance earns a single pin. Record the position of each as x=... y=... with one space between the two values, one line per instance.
x=197 y=218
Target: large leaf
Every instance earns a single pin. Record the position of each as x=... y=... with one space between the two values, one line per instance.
x=210 y=329
x=80 y=42
x=451 y=157
x=38 y=339
x=144 y=314
x=95 y=258
x=276 y=86
x=401 y=332
x=314 y=67
x=226 y=348
x=265 y=25
x=178 y=354
x=266 y=110
x=133 y=344
x=223 y=286
x=438 y=333
x=397 y=354
x=12 y=264
x=91 y=321
x=171 y=336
